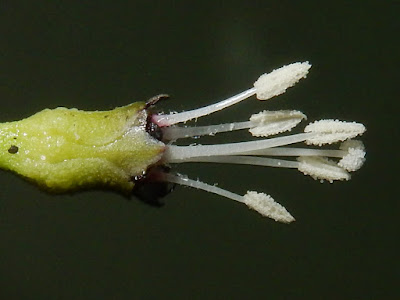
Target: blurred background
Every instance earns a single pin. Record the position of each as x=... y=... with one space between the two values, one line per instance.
x=96 y=55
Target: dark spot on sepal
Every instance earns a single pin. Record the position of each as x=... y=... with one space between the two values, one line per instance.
x=13 y=149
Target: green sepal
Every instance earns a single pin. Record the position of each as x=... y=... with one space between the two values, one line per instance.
x=67 y=149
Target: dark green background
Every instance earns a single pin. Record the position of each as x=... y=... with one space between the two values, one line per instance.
x=102 y=54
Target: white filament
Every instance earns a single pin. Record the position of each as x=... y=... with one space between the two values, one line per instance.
x=285 y=151
x=168 y=120
x=174 y=133
x=179 y=179
x=245 y=160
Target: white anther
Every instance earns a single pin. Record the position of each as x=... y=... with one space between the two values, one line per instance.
x=355 y=157
x=276 y=82
x=274 y=122
x=332 y=131
x=266 y=206
x=321 y=168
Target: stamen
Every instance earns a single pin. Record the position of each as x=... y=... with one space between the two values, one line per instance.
x=262 y=124
x=180 y=153
x=260 y=202
x=266 y=87
x=313 y=162
x=318 y=167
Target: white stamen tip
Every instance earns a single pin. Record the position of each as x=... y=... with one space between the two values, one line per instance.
x=266 y=206
x=276 y=82
x=274 y=122
x=355 y=157
x=321 y=168
x=332 y=131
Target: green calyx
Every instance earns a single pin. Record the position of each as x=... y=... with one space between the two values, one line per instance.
x=68 y=149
